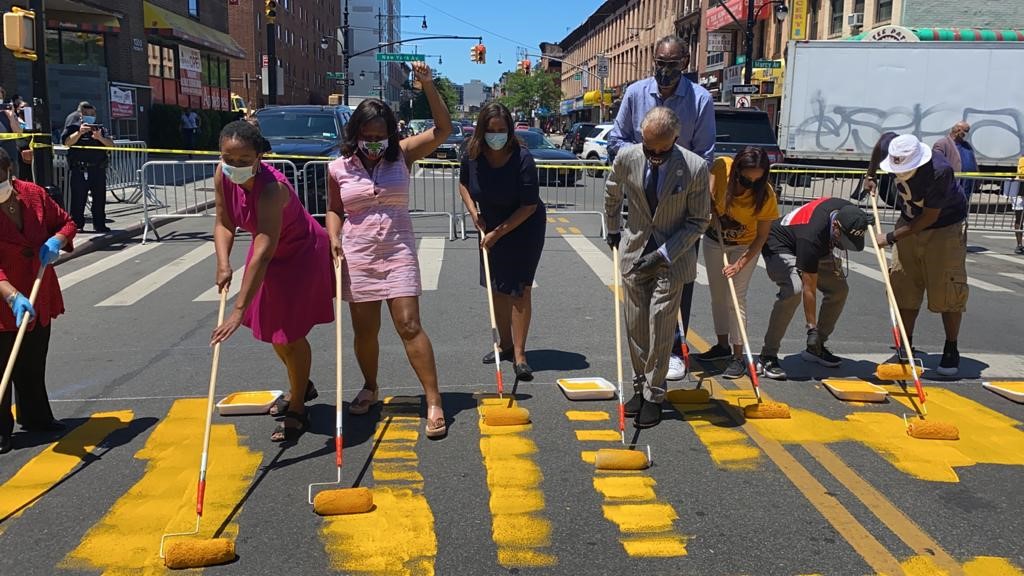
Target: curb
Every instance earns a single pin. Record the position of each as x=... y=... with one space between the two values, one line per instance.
x=99 y=242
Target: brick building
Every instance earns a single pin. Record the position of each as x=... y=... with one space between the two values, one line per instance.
x=300 y=26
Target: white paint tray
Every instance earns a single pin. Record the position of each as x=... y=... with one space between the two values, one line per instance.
x=851 y=390
x=250 y=402
x=1010 y=390
x=587 y=388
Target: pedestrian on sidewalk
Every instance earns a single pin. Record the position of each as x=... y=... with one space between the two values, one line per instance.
x=33 y=231
x=696 y=111
x=372 y=237
x=190 y=124
x=800 y=258
x=1017 y=203
x=744 y=207
x=288 y=284
x=88 y=167
x=499 y=186
x=668 y=190
x=929 y=242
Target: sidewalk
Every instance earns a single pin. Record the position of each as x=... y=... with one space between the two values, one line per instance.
x=124 y=220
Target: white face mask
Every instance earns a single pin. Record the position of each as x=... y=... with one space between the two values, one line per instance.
x=238 y=174
x=373 y=148
x=496 y=140
x=6 y=189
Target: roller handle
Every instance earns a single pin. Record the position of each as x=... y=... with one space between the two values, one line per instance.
x=494 y=321
x=622 y=417
x=617 y=279
x=740 y=319
x=878 y=228
x=200 y=496
x=339 y=441
x=9 y=369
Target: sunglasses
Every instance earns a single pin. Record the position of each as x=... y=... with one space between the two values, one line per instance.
x=668 y=63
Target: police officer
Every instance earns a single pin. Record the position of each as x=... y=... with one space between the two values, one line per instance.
x=88 y=167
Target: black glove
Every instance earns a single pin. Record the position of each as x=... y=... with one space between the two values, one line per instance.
x=813 y=341
x=613 y=239
x=646 y=263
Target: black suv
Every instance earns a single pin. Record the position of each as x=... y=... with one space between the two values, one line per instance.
x=573 y=140
x=736 y=128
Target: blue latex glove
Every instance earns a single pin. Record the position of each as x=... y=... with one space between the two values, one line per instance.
x=49 y=251
x=19 y=307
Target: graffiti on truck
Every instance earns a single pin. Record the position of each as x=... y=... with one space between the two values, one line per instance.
x=997 y=135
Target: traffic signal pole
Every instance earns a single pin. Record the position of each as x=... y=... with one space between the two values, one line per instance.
x=42 y=161
x=271 y=64
x=345 y=49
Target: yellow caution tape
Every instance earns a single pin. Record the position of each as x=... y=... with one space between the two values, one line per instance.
x=863 y=172
x=20 y=135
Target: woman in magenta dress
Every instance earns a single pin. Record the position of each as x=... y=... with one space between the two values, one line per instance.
x=371 y=233
x=288 y=283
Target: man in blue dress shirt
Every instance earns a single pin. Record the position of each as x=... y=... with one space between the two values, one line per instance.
x=696 y=111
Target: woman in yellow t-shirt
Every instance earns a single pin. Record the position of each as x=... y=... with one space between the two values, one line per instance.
x=744 y=207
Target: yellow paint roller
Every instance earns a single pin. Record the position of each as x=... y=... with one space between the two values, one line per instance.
x=930 y=430
x=195 y=552
x=620 y=458
x=498 y=415
x=338 y=501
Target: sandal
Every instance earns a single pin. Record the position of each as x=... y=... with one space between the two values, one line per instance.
x=280 y=406
x=363 y=401
x=284 y=433
x=436 y=425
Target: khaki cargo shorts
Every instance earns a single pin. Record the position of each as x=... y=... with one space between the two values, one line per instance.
x=932 y=261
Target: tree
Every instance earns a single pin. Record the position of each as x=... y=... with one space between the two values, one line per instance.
x=420 y=106
x=527 y=92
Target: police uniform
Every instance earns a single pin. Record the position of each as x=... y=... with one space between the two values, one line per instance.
x=88 y=175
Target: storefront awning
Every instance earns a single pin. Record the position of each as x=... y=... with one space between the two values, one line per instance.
x=943 y=35
x=165 y=23
x=85 y=22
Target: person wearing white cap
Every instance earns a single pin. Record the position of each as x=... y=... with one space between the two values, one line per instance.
x=929 y=241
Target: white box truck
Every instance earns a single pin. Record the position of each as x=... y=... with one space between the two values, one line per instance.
x=841 y=96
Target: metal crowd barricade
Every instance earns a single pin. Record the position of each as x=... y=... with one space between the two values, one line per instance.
x=990 y=194
x=123 y=169
x=434 y=191
x=574 y=187
x=313 y=191
x=173 y=189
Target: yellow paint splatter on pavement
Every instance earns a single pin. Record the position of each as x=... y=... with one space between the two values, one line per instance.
x=518 y=527
x=728 y=446
x=598 y=436
x=397 y=537
x=587 y=416
x=636 y=488
x=127 y=539
x=979 y=566
x=43 y=472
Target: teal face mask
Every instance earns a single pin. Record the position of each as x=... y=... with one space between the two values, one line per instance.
x=496 y=140
x=88 y=119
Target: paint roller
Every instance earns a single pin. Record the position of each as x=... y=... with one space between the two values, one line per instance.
x=620 y=458
x=498 y=415
x=921 y=429
x=337 y=501
x=196 y=552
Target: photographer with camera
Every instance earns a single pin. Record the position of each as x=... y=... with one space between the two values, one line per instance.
x=8 y=125
x=88 y=167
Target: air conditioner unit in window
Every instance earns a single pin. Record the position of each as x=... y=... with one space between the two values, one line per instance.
x=855 y=20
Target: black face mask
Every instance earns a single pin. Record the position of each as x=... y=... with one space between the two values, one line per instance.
x=745 y=182
x=667 y=76
x=656 y=158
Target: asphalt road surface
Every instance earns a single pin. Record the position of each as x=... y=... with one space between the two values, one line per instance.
x=838 y=489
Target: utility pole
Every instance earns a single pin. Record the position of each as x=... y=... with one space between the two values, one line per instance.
x=346 y=48
x=748 y=64
x=380 y=65
x=42 y=162
x=271 y=63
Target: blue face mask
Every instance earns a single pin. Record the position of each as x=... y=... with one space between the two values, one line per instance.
x=88 y=119
x=496 y=140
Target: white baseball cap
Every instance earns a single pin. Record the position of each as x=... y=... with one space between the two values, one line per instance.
x=906 y=153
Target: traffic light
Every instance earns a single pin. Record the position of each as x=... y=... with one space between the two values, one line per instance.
x=271 y=9
x=20 y=33
x=474 y=54
x=526 y=67
x=480 y=53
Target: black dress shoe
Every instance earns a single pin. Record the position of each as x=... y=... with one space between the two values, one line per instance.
x=649 y=415
x=506 y=356
x=51 y=426
x=635 y=403
x=523 y=372
x=5 y=444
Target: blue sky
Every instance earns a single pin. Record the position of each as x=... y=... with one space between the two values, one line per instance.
x=504 y=25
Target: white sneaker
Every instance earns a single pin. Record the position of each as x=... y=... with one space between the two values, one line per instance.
x=676 y=368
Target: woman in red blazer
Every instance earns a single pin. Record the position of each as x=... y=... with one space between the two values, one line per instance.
x=33 y=229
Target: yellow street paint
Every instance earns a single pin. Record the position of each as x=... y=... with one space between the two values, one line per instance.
x=127 y=538
x=563 y=219
x=560 y=230
x=518 y=527
x=40 y=474
x=586 y=416
x=397 y=537
x=646 y=524
x=986 y=436
x=598 y=436
x=551 y=220
x=728 y=446
x=979 y=566
x=574 y=230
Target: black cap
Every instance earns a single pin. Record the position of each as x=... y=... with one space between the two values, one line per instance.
x=854 y=223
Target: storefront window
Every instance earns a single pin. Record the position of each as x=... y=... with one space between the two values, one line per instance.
x=193 y=8
x=78 y=48
x=883 y=12
x=167 y=62
x=53 y=45
x=225 y=80
x=208 y=78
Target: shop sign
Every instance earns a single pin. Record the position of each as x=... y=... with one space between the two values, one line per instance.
x=191 y=71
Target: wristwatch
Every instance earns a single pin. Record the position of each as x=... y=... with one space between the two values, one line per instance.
x=890 y=238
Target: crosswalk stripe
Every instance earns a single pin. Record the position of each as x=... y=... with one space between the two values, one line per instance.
x=981 y=284
x=212 y=294
x=1017 y=260
x=154 y=280
x=431 y=256
x=593 y=257
x=115 y=259
x=1014 y=275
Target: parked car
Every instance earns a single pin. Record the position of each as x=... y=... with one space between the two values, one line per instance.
x=417 y=126
x=522 y=126
x=468 y=131
x=595 y=146
x=452 y=147
x=736 y=128
x=573 y=140
x=303 y=130
x=542 y=149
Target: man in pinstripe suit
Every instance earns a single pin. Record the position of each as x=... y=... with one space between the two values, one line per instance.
x=670 y=207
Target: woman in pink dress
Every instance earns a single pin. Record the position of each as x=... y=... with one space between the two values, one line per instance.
x=288 y=283
x=371 y=234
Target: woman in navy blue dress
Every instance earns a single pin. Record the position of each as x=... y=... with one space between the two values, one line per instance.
x=499 y=185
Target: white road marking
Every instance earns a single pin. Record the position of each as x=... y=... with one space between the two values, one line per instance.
x=154 y=280
x=431 y=255
x=87 y=272
x=1018 y=260
x=1014 y=275
x=212 y=295
x=981 y=284
x=598 y=262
